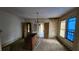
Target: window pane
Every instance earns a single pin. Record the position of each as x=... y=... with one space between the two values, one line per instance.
x=62 y=33
x=62 y=28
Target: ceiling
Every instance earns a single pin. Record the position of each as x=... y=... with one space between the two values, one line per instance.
x=31 y=12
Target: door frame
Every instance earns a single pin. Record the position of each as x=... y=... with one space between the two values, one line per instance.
x=46 y=30
x=22 y=27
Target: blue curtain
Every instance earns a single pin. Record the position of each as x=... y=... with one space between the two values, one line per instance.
x=71 y=23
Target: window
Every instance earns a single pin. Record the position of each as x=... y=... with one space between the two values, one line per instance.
x=62 y=28
x=71 y=23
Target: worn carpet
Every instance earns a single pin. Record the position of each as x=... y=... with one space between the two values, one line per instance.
x=43 y=45
x=49 y=45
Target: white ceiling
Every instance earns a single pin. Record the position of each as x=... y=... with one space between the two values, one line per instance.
x=44 y=12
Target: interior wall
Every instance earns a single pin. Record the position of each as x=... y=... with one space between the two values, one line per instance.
x=11 y=27
x=52 y=28
x=52 y=25
x=76 y=43
x=33 y=21
x=0 y=45
x=67 y=43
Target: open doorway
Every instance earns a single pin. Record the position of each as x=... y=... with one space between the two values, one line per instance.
x=46 y=30
x=26 y=28
x=41 y=30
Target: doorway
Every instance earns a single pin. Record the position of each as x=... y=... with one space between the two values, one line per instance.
x=26 y=28
x=41 y=30
x=46 y=30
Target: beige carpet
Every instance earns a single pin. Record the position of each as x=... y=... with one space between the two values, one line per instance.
x=49 y=45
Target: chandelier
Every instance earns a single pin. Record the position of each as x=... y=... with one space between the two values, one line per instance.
x=37 y=13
